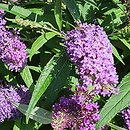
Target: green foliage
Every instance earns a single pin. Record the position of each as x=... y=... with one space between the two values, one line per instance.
x=38 y=114
x=116 y=54
x=73 y=9
x=116 y=103
x=46 y=77
x=16 y=10
x=17 y=124
x=40 y=41
x=49 y=72
x=60 y=80
x=58 y=13
x=27 y=77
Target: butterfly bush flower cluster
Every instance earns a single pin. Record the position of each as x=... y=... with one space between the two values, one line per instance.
x=126 y=117
x=8 y=95
x=90 y=50
x=76 y=112
x=12 y=50
x=13 y=53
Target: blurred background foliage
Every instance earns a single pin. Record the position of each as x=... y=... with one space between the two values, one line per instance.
x=49 y=74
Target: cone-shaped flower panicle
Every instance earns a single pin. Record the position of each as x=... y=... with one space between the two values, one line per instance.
x=12 y=50
x=77 y=112
x=89 y=48
x=9 y=94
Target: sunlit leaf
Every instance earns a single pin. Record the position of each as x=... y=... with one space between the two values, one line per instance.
x=44 y=80
x=125 y=43
x=116 y=103
x=116 y=54
x=58 y=14
x=17 y=124
x=27 y=77
x=39 y=42
x=17 y=10
x=38 y=114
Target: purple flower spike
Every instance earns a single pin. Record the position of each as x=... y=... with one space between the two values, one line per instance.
x=12 y=50
x=89 y=48
x=8 y=94
x=77 y=112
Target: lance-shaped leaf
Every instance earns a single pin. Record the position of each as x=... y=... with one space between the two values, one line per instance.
x=44 y=80
x=38 y=114
x=40 y=41
x=116 y=54
x=59 y=82
x=16 y=10
x=116 y=103
x=125 y=43
x=58 y=13
x=27 y=76
x=73 y=9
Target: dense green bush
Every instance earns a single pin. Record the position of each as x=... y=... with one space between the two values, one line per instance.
x=49 y=72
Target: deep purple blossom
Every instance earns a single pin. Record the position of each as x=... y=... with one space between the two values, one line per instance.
x=90 y=50
x=77 y=112
x=9 y=94
x=12 y=50
x=126 y=117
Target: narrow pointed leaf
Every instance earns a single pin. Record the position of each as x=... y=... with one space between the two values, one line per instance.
x=35 y=68
x=38 y=114
x=40 y=41
x=16 y=10
x=116 y=54
x=44 y=80
x=73 y=9
x=115 y=127
x=59 y=82
x=58 y=14
x=116 y=103
x=125 y=43
x=27 y=76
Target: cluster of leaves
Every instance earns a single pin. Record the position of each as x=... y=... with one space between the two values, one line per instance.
x=49 y=72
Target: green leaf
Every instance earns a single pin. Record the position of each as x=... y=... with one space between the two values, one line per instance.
x=17 y=124
x=62 y=71
x=38 y=114
x=38 y=11
x=44 y=80
x=116 y=103
x=72 y=82
x=115 y=127
x=27 y=77
x=39 y=42
x=88 y=11
x=6 y=125
x=125 y=43
x=35 y=68
x=5 y=73
x=16 y=10
x=73 y=9
x=116 y=54
x=58 y=14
